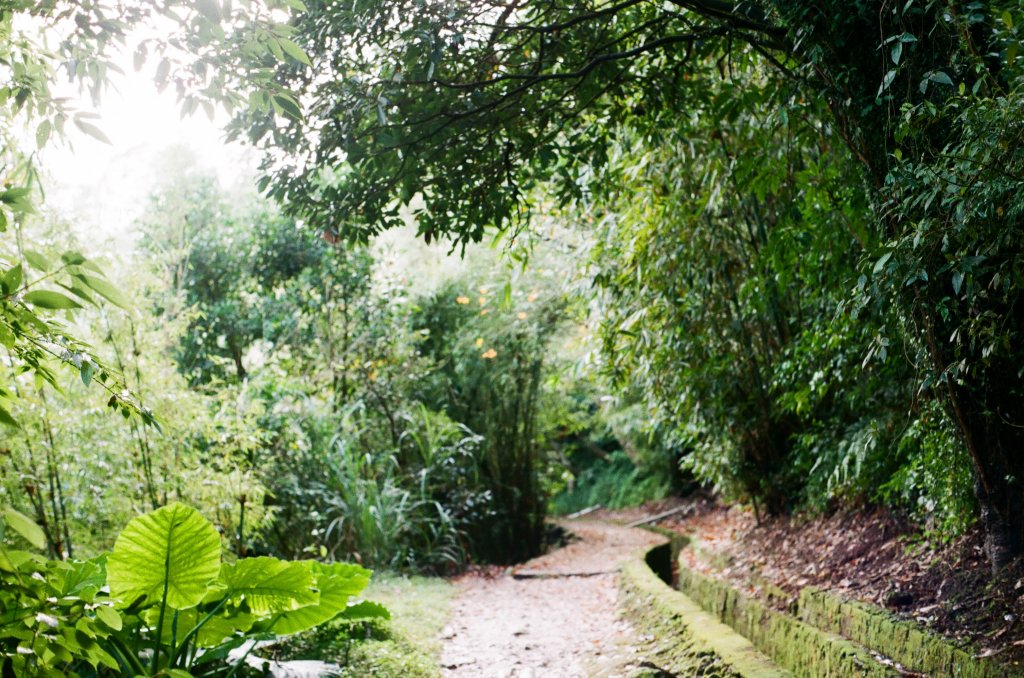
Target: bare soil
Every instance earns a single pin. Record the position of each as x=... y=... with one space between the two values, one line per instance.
x=554 y=616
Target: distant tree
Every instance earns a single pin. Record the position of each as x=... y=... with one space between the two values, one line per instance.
x=215 y=55
x=246 y=274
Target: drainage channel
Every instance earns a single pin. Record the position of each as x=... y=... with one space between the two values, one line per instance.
x=685 y=639
x=825 y=636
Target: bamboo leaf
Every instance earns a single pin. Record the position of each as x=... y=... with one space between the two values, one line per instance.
x=51 y=300
x=25 y=526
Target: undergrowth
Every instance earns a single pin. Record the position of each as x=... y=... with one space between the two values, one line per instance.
x=614 y=482
x=406 y=646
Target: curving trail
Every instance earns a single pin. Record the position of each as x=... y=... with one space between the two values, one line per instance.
x=553 y=617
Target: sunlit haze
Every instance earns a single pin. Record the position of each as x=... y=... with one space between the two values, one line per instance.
x=101 y=189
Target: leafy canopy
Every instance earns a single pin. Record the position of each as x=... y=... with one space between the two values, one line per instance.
x=469 y=105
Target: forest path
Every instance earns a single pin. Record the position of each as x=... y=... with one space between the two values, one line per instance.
x=552 y=617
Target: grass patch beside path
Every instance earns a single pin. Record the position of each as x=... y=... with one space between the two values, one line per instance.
x=406 y=646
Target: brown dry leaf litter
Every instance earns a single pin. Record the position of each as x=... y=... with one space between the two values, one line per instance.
x=559 y=621
x=874 y=556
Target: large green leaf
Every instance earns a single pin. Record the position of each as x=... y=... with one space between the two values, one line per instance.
x=216 y=628
x=11 y=280
x=337 y=582
x=269 y=585
x=172 y=550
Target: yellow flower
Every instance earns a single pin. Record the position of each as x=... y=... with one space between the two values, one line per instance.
x=521 y=315
x=479 y=342
x=462 y=300
x=482 y=300
x=489 y=354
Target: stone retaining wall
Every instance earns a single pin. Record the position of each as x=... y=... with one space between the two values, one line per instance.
x=903 y=641
x=687 y=640
x=806 y=651
x=708 y=628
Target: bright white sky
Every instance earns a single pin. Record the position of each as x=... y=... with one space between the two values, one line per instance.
x=101 y=189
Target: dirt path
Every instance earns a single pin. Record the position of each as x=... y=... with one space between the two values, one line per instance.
x=553 y=617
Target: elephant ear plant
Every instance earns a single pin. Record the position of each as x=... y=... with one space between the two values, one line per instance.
x=173 y=607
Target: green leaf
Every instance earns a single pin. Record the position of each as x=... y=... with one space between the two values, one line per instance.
x=288 y=106
x=214 y=631
x=896 y=53
x=210 y=10
x=941 y=78
x=13 y=196
x=76 y=289
x=50 y=299
x=82 y=578
x=172 y=550
x=105 y=289
x=268 y=584
x=6 y=418
x=37 y=261
x=72 y=258
x=25 y=526
x=7 y=338
x=17 y=199
x=110 y=617
x=92 y=130
x=886 y=81
x=294 y=51
x=43 y=133
x=337 y=583
x=365 y=609
x=880 y=264
x=86 y=371
x=12 y=280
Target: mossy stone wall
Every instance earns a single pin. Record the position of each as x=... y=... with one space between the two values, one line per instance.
x=902 y=641
x=806 y=651
x=688 y=641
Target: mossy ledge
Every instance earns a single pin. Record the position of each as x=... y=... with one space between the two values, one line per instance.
x=806 y=651
x=903 y=641
x=688 y=641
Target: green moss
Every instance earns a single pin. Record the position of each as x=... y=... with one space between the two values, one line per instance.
x=905 y=642
x=687 y=640
x=799 y=647
x=829 y=637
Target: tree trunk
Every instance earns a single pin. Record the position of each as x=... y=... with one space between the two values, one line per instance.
x=986 y=419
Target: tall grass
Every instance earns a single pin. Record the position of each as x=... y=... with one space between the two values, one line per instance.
x=375 y=517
